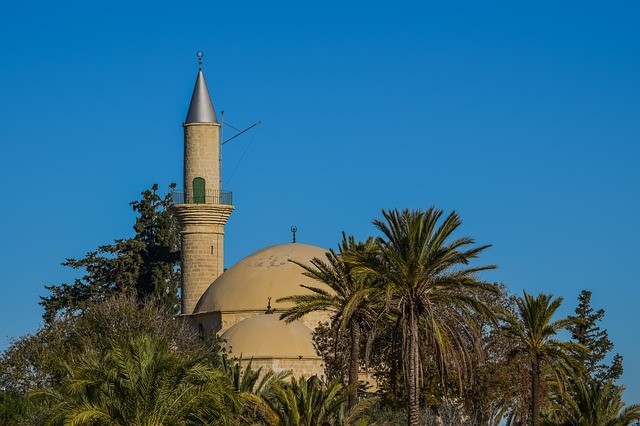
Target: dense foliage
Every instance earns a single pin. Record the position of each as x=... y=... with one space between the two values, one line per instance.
x=430 y=288
x=533 y=333
x=40 y=360
x=140 y=382
x=408 y=307
x=589 y=402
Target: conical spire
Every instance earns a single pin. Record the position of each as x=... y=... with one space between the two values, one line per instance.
x=201 y=109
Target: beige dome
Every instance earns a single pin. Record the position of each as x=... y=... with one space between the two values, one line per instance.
x=265 y=336
x=266 y=273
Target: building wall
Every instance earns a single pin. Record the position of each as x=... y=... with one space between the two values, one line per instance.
x=299 y=366
x=208 y=323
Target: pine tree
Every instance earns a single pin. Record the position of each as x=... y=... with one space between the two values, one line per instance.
x=586 y=331
x=147 y=263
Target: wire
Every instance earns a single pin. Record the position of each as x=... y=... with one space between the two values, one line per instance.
x=240 y=133
x=242 y=157
x=229 y=125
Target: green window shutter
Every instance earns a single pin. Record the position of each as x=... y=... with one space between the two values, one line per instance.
x=198 y=191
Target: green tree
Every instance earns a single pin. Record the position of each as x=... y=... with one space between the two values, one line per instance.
x=253 y=387
x=586 y=331
x=142 y=382
x=147 y=263
x=38 y=360
x=532 y=332
x=248 y=380
x=591 y=402
x=333 y=346
x=14 y=409
x=353 y=299
x=312 y=402
x=497 y=386
x=431 y=287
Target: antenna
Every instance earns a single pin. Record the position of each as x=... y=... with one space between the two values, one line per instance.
x=220 y=146
x=294 y=229
x=240 y=132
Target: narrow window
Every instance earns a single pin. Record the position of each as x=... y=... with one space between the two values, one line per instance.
x=200 y=331
x=198 y=190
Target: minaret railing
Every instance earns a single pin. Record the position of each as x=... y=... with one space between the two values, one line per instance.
x=209 y=197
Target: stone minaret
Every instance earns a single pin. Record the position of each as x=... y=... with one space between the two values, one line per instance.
x=203 y=208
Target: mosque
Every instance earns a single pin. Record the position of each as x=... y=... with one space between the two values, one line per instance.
x=241 y=303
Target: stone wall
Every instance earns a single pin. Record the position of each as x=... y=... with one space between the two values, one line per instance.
x=202 y=155
x=208 y=323
x=298 y=366
x=202 y=251
x=200 y=266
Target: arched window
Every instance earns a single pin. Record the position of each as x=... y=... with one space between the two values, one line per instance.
x=198 y=190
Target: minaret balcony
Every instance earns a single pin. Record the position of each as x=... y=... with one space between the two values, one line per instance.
x=206 y=197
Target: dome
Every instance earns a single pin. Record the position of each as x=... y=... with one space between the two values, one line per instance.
x=265 y=336
x=248 y=284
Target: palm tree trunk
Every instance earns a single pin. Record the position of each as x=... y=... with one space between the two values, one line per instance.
x=535 y=392
x=413 y=382
x=354 y=363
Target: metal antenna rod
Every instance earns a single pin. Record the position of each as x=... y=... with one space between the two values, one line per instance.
x=220 y=145
x=238 y=134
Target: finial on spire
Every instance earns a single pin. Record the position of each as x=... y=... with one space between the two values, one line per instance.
x=200 y=54
x=269 y=310
x=201 y=109
x=294 y=229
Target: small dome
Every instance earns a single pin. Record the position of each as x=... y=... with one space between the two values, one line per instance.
x=248 y=284
x=265 y=336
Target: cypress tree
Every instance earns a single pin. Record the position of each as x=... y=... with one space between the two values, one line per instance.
x=586 y=331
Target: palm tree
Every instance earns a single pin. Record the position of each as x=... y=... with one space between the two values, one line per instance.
x=248 y=380
x=313 y=402
x=592 y=403
x=142 y=383
x=253 y=386
x=531 y=331
x=353 y=299
x=429 y=283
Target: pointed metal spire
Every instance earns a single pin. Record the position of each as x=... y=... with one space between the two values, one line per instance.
x=201 y=109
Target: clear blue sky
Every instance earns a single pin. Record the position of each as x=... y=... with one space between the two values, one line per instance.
x=522 y=116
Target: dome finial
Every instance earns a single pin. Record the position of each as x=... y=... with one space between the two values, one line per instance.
x=200 y=54
x=269 y=310
x=294 y=229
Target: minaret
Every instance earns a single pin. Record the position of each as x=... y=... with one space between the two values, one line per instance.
x=203 y=208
